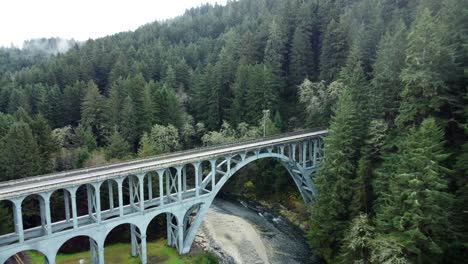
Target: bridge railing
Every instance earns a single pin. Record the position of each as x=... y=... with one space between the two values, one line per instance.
x=158 y=157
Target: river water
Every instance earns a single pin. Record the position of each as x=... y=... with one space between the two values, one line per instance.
x=238 y=232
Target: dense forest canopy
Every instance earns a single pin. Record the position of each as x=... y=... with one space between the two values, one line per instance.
x=388 y=77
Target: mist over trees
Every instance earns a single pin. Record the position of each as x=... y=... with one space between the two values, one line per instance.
x=387 y=77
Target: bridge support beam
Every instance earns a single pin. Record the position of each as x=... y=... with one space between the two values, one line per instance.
x=18 y=218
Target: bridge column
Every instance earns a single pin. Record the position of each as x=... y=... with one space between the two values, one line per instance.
x=50 y=258
x=314 y=162
x=101 y=252
x=111 y=195
x=143 y=256
x=96 y=200
x=74 y=216
x=179 y=183
x=161 y=186
x=293 y=147
x=228 y=163
x=150 y=187
x=141 y=196
x=180 y=235
x=196 y=165
x=311 y=151
x=133 y=238
x=18 y=218
x=304 y=154
x=44 y=204
x=66 y=198
x=169 y=184
x=120 y=191
x=184 y=178
x=213 y=174
x=131 y=191
x=90 y=195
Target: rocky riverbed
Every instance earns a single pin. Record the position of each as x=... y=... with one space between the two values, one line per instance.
x=241 y=233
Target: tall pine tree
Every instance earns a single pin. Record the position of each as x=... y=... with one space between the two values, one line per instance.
x=334 y=181
x=415 y=206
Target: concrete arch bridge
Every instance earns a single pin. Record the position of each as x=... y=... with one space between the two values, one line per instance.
x=181 y=186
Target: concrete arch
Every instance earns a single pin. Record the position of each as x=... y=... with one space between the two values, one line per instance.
x=46 y=257
x=96 y=246
x=110 y=228
x=293 y=167
x=282 y=158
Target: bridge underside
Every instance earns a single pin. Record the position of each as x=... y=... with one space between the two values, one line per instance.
x=182 y=192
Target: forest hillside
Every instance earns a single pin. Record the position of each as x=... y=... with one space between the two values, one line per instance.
x=388 y=77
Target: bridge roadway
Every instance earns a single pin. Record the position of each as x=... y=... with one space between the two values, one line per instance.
x=184 y=207
x=26 y=186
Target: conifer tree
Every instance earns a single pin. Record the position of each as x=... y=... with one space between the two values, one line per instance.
x=117 y=147
x=46 y=143
x=72 y=96
x=430 y=63
x=93 y=112
x=55 y=107
x=275 y=48
x=386 y=83
x=333 y=52
x=334 y=181
x=301 y=57
x=129 y=121
x=415 y=208
x=357 y=243
x=19 y=153
x=84 y=138
x=166 y=108
x=353 y=77
x=237 y=111
x=147 y=147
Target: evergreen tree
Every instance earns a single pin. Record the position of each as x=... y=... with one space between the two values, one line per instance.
x=46 y=143
x=357 y=243
x=170 y=78
x=6 y=121
x=430 y=64
x=237 y=111
x=72 y=96
x=334 y=181
x=147 y=147
x=301 y=57
x=386 y=82
x=166 y=108
x=117 y=147
x=93 y=112
x=85 y=138
x=19 y=153
x=115 y=102
x=334 y=51
x=415 y=208
x=353 y=77
x=275 y=48
x=55 y=107
x=128 y=124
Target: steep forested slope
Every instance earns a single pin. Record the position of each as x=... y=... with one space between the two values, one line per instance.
x=388 y=77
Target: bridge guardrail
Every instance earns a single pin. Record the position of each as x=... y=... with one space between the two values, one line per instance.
x=155 y=158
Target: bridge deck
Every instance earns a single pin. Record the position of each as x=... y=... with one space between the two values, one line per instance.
x=15 y=188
